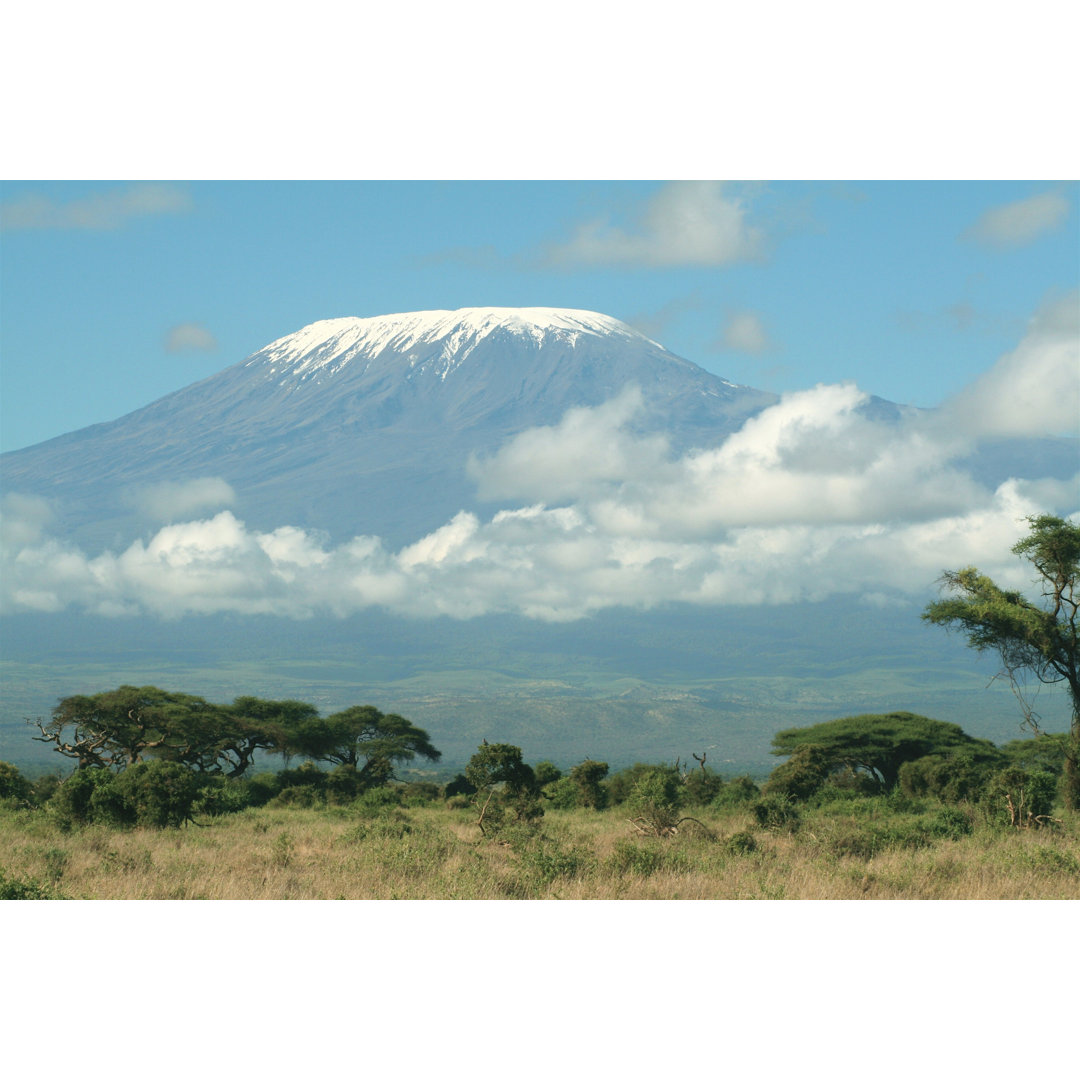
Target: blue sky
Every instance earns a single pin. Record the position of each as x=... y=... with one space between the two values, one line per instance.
x=115 y=293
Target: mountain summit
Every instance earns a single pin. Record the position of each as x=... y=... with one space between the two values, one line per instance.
x=365 y=425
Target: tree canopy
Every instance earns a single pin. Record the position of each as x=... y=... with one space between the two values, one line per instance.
x=365 y=739
x=876 y=743
x=123 y=727
x=1031 y=639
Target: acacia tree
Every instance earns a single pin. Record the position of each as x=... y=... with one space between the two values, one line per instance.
x=363 y=738
x=1031 y=639
x=875 y=743
x=121 y=727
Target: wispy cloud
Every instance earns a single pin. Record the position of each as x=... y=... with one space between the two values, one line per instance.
x=174 y=501
x=190 y=335
x=100 y=210
x=745 y=332
x=686 y=223
x=1018 y=223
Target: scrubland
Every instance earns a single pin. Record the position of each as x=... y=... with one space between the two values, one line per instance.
x=874 y=849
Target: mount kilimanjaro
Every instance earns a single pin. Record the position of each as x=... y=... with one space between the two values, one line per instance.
x=366 y=427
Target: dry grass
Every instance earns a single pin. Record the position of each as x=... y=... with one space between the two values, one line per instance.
x=437 y=853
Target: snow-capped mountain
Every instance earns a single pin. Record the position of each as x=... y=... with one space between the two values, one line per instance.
x=365 y=425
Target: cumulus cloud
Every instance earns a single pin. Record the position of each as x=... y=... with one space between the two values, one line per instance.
x=745 y=332
x=173 y=500
x=1019 y=223
x=189 y=336
x=1033 y=390
x=100 y=210
x=686 y=223
x=811 y=498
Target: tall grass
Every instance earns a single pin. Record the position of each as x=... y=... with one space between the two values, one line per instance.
x=863 y=849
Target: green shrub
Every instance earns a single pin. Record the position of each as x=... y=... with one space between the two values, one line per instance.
x=587 y=775
x=656 y=799
x=951 y=823
x=740 y=843
x=70 y=805
x=564 y=794
x=952 y=777
x=25 y=889
x=775 y=811
x=13 y=785
x=159 y=794
x=218 y=795
x=630 y=858
x=262 y=787
x=702 y=787
x=547 y=773
x=1018 y=798
x=801 y=775
x=737 y=792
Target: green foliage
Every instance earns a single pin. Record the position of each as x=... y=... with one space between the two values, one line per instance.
x=802 y=775
x=1045 y=752
x=587 y=776
x=25 y=889
x=630 y=858
x=13 y=785
x=499 y=766
x=159 y=794
x=1019 y=799
x=741 y=843
x=702 y=786
x=45 y=788
x=564 y=794
x=459 y=786
x=776 y=812
x=737 y=792
x=71 y=803
x=369 y=741
x=656 y=799
x=877 y=743
x=620 y=785
x=1042 y=641
x=546 y=773
x=956 y=776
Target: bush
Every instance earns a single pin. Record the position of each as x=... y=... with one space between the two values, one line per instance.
x=13 y=785
x=459 y=786
x=1019 y=799
x=587 y=775
x=25 y=889
x=776 y=812
x=70 y=805
x=564 y=794
x=702 y=787
x=547 y=773
x=656 y=798
x=218 y=795
x=953 y=777
x=740 y=843
x=158 y=794
x=801 y=775
x=737 y=792
x=262 y=787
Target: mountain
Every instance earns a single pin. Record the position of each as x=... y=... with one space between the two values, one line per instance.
x=365 y=425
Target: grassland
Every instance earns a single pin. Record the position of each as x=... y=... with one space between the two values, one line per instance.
x=866 y=850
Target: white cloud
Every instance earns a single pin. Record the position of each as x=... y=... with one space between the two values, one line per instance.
x=1019 y=223
x=1033 y=390
x=745 y=332
x=686 y=223
x=100 y=210
x=189 y=336
x=811 y=498
x=173 y=500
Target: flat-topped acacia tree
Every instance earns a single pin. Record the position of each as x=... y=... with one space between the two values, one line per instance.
x=1031 y=639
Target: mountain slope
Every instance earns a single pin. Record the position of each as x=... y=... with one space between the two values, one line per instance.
x=365 y=425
